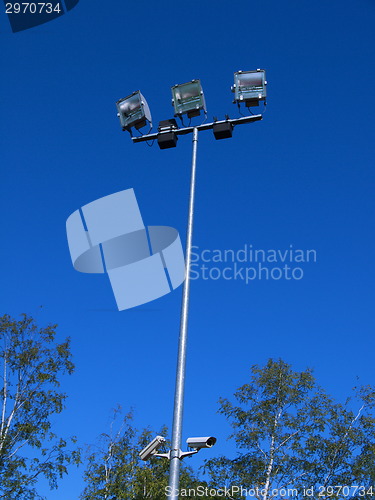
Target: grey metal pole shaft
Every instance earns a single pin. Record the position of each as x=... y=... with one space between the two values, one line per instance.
x=174 y=474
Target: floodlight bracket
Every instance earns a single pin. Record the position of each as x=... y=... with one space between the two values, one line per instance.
x=192 y=113
x=203 y=126
x=140 y=124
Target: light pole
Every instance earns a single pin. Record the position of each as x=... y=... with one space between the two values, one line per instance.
x=181 y=360
x=175 y=455
x=250 y=92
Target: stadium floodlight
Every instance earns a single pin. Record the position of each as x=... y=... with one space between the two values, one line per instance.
x=133 y=111
x=250 y=87
x=188 y=98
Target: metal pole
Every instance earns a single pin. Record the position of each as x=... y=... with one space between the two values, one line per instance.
x=174 y=474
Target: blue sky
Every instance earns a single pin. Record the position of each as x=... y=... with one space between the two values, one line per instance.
x=303 y=176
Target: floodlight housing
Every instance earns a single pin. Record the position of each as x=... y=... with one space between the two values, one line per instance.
x=133 y=111
x=188 y=98
x=250 y=87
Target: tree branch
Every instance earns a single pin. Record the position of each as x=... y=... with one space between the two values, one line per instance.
x=261 y=450
x=5 y=395
x=287 y=439
x=328 y=476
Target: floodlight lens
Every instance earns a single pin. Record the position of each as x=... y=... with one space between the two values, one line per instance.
x=131 y=104
x=133 y=111
x=188 y=91
x=250 y=87
x=188 y=98
x=250 y=81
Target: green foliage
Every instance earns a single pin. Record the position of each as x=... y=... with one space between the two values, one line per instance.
x=31 y=364
x=116 y=472
x=291 y=434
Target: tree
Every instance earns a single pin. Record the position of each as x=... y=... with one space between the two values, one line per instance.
x=116 y=472
x=296 y=441
x=32 y=364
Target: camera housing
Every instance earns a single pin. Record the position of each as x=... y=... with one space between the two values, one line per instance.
x=152 y=448
x=201 y=442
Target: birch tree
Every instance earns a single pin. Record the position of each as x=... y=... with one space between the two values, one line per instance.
x=116 y=472
x=31 y=363
x=294 y=440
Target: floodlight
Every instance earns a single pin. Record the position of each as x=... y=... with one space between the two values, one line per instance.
x=188 y=98
x=133 y=111
x=167 y=137
x=250 y=87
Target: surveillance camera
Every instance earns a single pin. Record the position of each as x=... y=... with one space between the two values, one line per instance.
x=201 y=442
x=152 y=448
